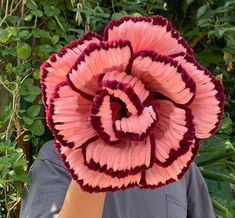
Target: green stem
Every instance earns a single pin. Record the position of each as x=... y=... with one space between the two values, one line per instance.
x=4 y=85
x=113 y=6
x=5 y=16
x=59 y=23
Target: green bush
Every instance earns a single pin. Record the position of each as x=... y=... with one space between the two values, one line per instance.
x=31 y=30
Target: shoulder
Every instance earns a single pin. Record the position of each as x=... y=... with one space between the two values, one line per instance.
x=193 y=176
x=48 y=152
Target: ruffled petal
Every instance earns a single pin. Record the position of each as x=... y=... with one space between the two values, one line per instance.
x=90 y=180
x=158 y=176
x=137 y=127
x=68 y=117
x=95 y=60
x=54 y=70
x=174 y=132
x=207 y=107
x=127 y=88
x=102 y=118
x=147 y=33
x=121 y=160
x=164 y=75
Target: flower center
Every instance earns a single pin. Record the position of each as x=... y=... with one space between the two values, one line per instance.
x=119 y=109
x=118 y=112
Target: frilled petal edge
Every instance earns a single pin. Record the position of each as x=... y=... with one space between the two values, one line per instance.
x=208 y=104
x=68 y=115
x=147 y=33
x=54 y=70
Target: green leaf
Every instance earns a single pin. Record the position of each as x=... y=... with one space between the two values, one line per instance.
x=28 y=17
x=35 y=90
x=201 y=11
x=30 y=98
x=118 y=15
x=31 y=5
x=12 y=30
x=217 y=176
x=27 y=137
x=15 y=157
x=211 y=57
x=4 y=35
x=37 y=33
x=36 y=74
x=219 y=206
x=46 y=48
x=27 y=120
x=37 y=128
x=55 y=39
x=23 y=51
x=51 y=11
x=24 y=34
x=5 y=115
x=33 y=111
x=37 y=13
x=216 y=158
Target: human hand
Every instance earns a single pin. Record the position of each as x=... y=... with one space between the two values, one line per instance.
x=81 y=204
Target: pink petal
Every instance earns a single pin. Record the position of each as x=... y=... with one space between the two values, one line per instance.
x=101 y=118
x=125 y=87
x=95 y=60
x=147 y=33
x=164 y=75
x=158 y=176
x=68 y=117
x=208 y=105
x=137 y=127
x=90 y=180
x=121 y=160
x=54 y=70
x=174 y=132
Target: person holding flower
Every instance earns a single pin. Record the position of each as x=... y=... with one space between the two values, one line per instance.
x=127 y=111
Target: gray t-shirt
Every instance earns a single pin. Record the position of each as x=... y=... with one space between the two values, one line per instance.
x=186 y=198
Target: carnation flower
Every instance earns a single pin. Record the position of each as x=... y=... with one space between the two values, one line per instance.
x=128 y=109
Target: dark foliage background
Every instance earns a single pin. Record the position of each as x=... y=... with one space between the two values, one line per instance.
x=31 y=30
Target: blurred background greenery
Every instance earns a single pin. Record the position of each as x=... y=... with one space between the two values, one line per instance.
x=30 y=30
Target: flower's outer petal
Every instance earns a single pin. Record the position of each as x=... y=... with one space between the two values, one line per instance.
x=137 y=127
x=90 y=180
x=158 y=176
x=126 y=158
x=95 y=60
x=68 y=117
x=174 y=132
x=164 y=75
x=147 y=33
x=101 y=118
x=208 y=105
x=54 y=70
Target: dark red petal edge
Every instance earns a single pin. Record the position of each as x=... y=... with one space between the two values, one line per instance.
x=61 y=53
x=126 y=88
x=88 y=188
x=136 y=136
x=50 y=122
x=143 y=178
x=119 y=173
x=184 y=143
x=157 y=20
x=220 y=96
x=96 y=120
x=90 y=48
x=189 y=82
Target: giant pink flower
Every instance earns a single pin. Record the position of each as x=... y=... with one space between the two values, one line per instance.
x=127 y=109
